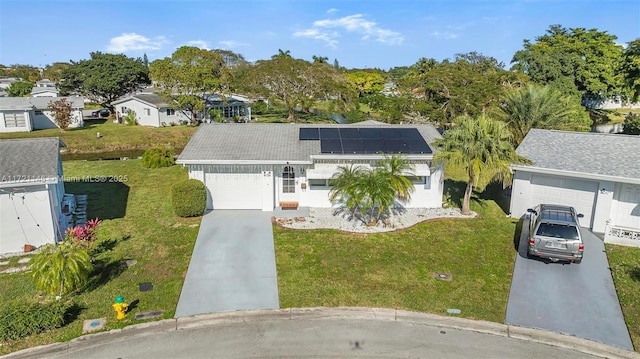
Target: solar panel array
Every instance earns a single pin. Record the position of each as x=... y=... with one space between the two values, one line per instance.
x=369 y=140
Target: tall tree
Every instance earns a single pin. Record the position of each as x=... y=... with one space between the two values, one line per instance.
x=231 y=59
x=282 y=54
x=366 y=82
x=104 y=78
x=320 y=59
x=145 y=60
x=60 y=268
x=61 y=110
x=576 y=61
x=24 y=72
x=297 y=83
x=188 y=77
x=482 y=148
x=630 y=69
x=20 y=89
x=541 y=107
x=54 y=71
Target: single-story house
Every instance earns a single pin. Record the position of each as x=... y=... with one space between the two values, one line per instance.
x=32 y=199
x=150 y=109
x=596 y=173
x=44 y=88
x=25 y=114
x=264 y=166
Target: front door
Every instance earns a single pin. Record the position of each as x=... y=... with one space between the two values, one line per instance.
x=288 y=190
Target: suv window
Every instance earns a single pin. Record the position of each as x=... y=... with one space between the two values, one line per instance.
x=557 y=231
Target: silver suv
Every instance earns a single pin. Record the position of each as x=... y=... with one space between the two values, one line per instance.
x=554 y=233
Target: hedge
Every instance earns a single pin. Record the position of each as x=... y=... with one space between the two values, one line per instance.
x=189 y=198
x=158 y=156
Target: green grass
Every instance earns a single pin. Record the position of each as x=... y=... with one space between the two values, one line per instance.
x=395 y=270
x=114 y=137
x=625 y=269
x=138 y=223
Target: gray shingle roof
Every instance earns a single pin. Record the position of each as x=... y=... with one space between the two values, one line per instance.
x=149 y=98
x=40 y=103
x=583 y=152
x=29 y=160
x=257 y=142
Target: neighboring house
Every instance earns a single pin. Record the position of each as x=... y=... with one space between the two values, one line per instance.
x=25 y=114
x=33 y=208
x=263 y=166
x=598 y=174
x=6 y=82
x=44 y=88
x=150 y=109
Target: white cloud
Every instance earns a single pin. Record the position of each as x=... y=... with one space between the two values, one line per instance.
x=199 y=44
x=135 y=42
x=230 y=44
x=443 y=35
x=328 y=30
x=332 y=10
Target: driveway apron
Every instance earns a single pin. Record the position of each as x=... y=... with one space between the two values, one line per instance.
x=575 y=299
x=233 y=265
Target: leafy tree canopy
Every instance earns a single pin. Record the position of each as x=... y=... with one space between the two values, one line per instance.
x=366 y=82
x=189 y=76
x=298 y=83
x=104 y=78
x=630 y=69
x=20 y=89
x=54 y=71
x=576 y=61
x=24 y=72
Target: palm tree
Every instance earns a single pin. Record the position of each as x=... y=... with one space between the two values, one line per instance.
x=319 y=59
x=482 y=148
x=400 y=171
x=376 y=192
x=541 y=107
x=282 y=54
x=345 y=183
x=60 y=268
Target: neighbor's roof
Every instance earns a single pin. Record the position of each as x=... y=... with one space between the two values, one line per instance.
x=43 y=89
x=268 y=142
x=40 y=103
x=148 y=98
x=29 y=160
x=602 y=154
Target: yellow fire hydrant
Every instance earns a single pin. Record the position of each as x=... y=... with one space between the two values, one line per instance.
x=120 y=307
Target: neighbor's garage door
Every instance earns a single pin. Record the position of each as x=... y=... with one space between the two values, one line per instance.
x=567 y=191
x=234 y=190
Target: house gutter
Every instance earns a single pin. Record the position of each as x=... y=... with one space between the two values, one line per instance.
x=576 y=174
x=242 y=162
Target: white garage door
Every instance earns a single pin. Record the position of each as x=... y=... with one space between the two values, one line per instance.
x=577 y=193
x=234 y=190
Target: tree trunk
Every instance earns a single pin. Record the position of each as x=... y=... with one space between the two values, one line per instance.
x=466 y=210
x=291 y=117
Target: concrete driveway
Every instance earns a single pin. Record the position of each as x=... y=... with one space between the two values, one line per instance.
x=575 y=299
x=233 y=266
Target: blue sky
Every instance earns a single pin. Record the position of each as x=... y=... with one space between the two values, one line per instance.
x=359 y=34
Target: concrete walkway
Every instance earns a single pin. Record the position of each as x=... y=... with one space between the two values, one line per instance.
x=233 y=265
x=575 y=299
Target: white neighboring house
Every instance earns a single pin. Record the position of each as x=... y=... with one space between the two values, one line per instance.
x=597 y=173
x=31 y=193
x=150 y=109
x=264 y=166
x=44 y=88
x=25 y=114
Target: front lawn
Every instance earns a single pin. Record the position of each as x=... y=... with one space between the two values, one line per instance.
x=396 y=269
x=625 y=269
x=138 y=224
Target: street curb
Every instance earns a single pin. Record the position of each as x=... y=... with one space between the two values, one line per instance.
x=320 y=313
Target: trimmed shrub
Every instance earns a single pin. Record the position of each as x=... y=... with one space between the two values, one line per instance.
x=20 y=319
x=189 y=198
x=158 y=156
x=631 y=124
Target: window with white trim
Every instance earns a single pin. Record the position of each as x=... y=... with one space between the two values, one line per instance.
x=315 y=183
x=171 y=112
x=14 y=120
x=147 y=112
x=288 y=180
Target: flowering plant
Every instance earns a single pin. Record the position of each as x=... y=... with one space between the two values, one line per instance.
x=83 y=235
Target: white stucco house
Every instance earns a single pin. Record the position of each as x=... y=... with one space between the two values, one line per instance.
x=25 y=114
x=264 y=166
x=32 y=199
x=44 y=88
x=597 y=173
x=150 y=109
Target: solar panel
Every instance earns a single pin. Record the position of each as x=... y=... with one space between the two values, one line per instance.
x=309 y=133
x=396 y=146
x=329 y=133
x=370 y=133
x=352 y=145
x=410 y=133
x=418 y=146
x=330 y=146
x=350 y=133
x=390 y=133
x=373 y=146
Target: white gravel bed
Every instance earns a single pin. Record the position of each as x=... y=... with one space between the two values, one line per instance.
x=339 y=219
